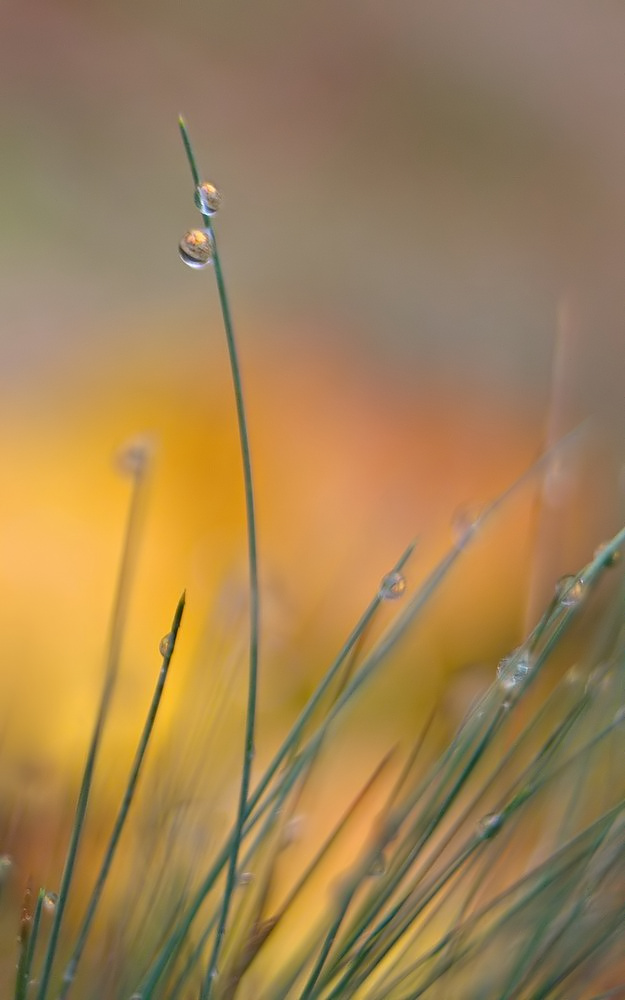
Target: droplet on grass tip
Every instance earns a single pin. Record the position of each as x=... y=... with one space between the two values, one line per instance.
x=465 y=521
x=50 y=900
x=197 y=248
x=610 y=560
x=571 y=591
x=490 y=825
x=513 y=669
x=207 y=198
x=378 y=866
x=133 y=457
x=165 y=645
x=392 y=586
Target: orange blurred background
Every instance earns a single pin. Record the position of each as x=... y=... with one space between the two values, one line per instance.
x=423 y=207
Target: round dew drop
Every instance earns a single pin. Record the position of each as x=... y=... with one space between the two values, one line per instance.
x=49 y=902
x=570 y=591
x=133 y=458
x=513 y=669
x=490 y=825
x=465 y=522
x=165 y=645
x=207 y=198
x=378 y=866
x=392 y=586
x=197 y=248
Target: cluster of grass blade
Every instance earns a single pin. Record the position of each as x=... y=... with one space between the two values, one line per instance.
x=494 y=869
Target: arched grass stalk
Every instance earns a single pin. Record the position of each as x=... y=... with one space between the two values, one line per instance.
x=254 y=590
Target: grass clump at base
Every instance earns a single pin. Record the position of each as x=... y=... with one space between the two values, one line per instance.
x=492 y=869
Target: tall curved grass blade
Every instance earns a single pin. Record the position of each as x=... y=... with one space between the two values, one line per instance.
x=254 y=590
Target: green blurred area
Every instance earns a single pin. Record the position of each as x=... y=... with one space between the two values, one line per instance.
x=425 y=179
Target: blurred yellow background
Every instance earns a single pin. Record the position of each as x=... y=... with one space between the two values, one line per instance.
x=424 y=203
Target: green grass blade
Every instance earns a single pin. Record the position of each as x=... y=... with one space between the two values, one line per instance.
x=118 y=622
x=254 y=590
x=128 y=796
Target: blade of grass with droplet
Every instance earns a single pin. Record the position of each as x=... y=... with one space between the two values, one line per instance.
x=254 y=589
x=124 y=808
x=395 y=923
x=146 y=987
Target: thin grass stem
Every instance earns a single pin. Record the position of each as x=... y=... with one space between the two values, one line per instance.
x=29 y=932
x=146 y=988
x=72 y=965
x=254 y=589
x=117 y=628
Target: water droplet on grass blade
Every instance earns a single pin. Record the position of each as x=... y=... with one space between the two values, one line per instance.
x=392 y=586
x=165 y=645
x=49 y=902
x=571 y=591
x=490 y=825
x=378 y=866
x=465 y=521
x=513 y=669
x=197 y=248
x=207 y=198
x=245 y=878
x=133 y=457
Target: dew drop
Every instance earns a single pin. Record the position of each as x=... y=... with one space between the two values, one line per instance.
x=571 y=591
x=465 y=522
x=197 y=248
x=50 y=900
x=392 y=586
x=378 y=866
x=610 y=560
x=6 y=864
x=133 y=458
x=207 y=198
x=513 y=669
x=165 y=645
x=245 y=878
x=490 y=825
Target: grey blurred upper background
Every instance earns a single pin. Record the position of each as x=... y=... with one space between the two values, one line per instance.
x=428 y=178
